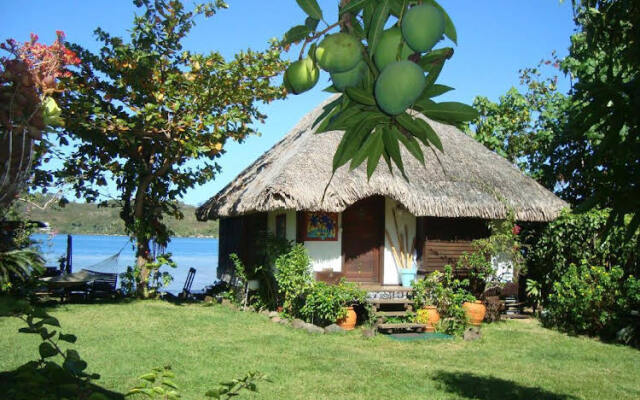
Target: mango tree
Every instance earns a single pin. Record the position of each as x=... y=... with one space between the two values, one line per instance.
x=146 y=109
x=381 y=74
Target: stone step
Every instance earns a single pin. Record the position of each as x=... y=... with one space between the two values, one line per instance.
x=395 y=314
x=390 y=301
x=403 y=325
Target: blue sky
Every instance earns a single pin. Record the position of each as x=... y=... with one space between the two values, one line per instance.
x=495 y=39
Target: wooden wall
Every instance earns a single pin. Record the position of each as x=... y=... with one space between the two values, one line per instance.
x=239 y=235
x=441 y=241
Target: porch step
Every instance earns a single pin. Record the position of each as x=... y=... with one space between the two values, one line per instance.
x=390 y=301
x=404 y=325
x=395 y=314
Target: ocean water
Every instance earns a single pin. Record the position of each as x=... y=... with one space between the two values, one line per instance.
x=89 y=250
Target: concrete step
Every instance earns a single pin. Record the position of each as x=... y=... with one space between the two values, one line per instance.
x=403 y=325
x=390 y=301
x=395 y=314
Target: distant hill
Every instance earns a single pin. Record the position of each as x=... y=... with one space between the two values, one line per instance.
x=82 y=218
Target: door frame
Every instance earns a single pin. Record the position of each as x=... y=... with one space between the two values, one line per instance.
x=380 y=249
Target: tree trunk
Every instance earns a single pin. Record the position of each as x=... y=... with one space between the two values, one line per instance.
x=143 y=256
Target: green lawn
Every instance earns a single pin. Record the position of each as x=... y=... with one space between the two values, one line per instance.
x=205 y=345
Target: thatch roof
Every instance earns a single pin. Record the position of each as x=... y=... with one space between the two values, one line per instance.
x=467 y=180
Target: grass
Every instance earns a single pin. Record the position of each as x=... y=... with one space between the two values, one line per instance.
x=206 y=345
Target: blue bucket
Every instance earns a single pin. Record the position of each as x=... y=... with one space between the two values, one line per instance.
x=407 y=276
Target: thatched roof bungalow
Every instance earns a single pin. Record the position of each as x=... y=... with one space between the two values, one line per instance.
x=354 y=228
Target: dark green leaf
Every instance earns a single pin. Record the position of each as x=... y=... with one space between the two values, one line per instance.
x=330 y=89
x=420 y=129
x=358 y=29
x=47 y=350
x=327 y=109
x=437 y=56
x=450 y=112
x=391 y=146
x=311 y=23
x=51 y=321
x=430 y=134
x=45 y=334
x=435 y=90
x=366 y=149
x=375 y=154
x=347 y=118
x=68 y=338
x=361 y=96
x=449 y=28
x=311 y=7
x=297 y=33
x=410 y=143
x=396 y=7
x=75 y=366
x=353 y=138
x=379 y=18
x=354 y=6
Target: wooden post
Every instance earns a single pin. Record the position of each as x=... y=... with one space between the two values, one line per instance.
x=68 y=267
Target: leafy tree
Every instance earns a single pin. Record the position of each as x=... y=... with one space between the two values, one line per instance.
x=601 y=146
x=525 y=126
x=145 y=109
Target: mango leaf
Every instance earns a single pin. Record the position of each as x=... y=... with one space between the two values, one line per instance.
x=378 y=19
x=449 y=28
x=450 y=112
x=420 y=129
x=311 y=23
x=45 y=334
x=47 y=350
x=68 y=338
x=358 y=29
x=361 y=96
x=436 y=56
x=50 y=321
x=346 y=119
x=353 y=138
x=436 y=90
x=396 y=7
x=310 y=7
x=326 y=110
x=75 y=366
x=410 y=143
x=354 y=6
x=375 y=154
x=296 y=34
x=367 y=14
x=391 y=146
x=367 y=148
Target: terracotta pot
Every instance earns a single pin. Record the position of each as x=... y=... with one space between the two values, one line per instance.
x=428 y=315
x=475 y=312
x=280 y=309
x=349 y=322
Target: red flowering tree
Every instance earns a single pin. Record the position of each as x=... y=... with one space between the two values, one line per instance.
x=29 y=76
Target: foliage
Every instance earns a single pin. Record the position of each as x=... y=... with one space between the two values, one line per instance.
x=293 y=274
x=130 y=280
x=158 y=384
x=324 y=303
x=524 y=126
x=45 y=378
x=146 y=109
x=501 y=245
x=19 y=264
x=594 y=300
x=369 y=132
x=600 y=147
x=577 y=238
x=447 y=293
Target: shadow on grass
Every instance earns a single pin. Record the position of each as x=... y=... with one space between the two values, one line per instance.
x=472 y=386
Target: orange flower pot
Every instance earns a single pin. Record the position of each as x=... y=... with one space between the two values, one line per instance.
x=349 y=322
x=475 y=312
x=430 y=316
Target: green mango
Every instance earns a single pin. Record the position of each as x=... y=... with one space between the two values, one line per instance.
x=399 y=86
x=423 y=27
x=301 y=76
x=350 y=78
x=388 y=46
x=338 y=52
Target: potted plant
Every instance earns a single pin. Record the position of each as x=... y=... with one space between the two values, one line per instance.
x=426 y=294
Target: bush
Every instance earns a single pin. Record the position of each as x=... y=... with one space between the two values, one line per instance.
x=593 y=300
x=324 y=304
x=293 y=274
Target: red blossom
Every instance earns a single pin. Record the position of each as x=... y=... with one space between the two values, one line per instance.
x=516 y=229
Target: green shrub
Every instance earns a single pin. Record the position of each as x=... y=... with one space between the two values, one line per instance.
x=594 y=300
x=324 y=304
x=293 y=275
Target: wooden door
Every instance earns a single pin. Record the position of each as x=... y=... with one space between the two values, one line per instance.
x=362 y=240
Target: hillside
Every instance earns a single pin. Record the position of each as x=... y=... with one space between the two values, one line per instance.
x=82 y=218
